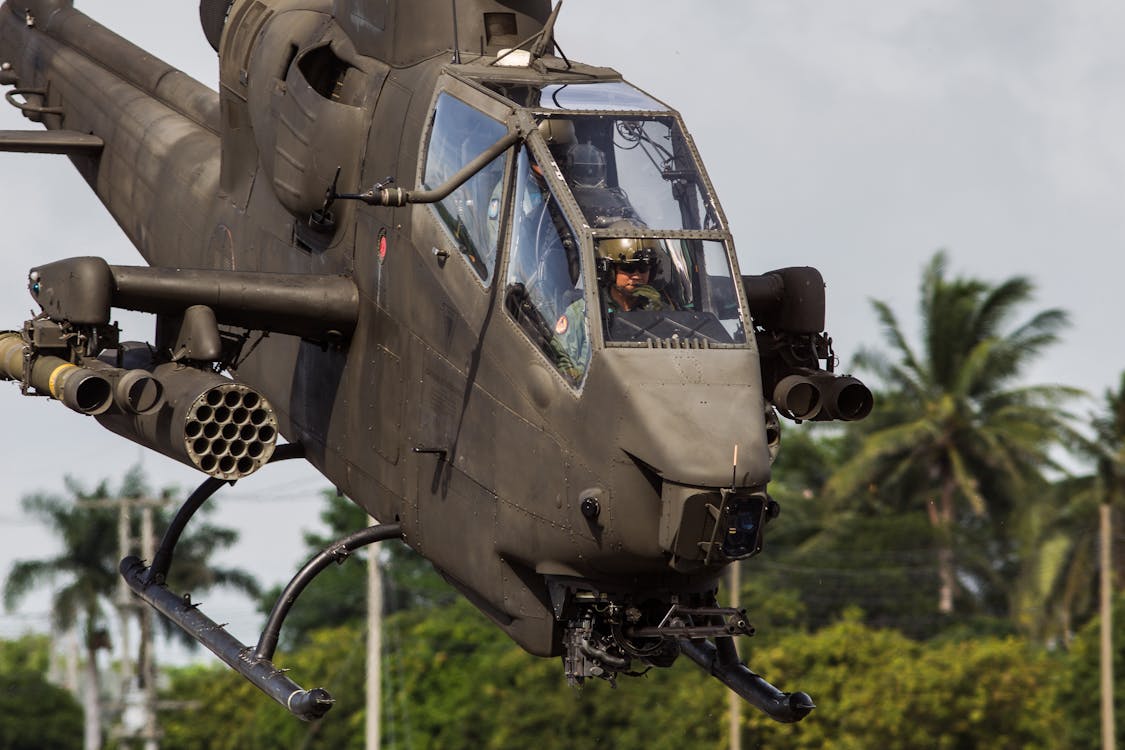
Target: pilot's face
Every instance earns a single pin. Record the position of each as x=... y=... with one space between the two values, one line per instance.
x=631 y=276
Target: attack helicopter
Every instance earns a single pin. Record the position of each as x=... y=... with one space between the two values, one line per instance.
x=487 y=291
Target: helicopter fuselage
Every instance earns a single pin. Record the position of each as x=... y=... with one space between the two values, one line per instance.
x=552 y=456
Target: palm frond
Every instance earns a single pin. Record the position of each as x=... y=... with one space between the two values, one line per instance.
x=886 y=447
x=26 y=575
x=892 y=332
x=966 y=483
x=998 y=304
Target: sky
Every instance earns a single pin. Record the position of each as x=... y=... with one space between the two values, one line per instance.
x=856 y=137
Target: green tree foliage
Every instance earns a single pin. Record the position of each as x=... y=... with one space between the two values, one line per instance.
x=821 y=558
x=29 y=653
x=1080 y=682
x=877 y=688
x=881 y=564
x=34 y=714
x=86 y=575
x=455 y=681
x=1065 y=577
x=955 y=431
x=451 y=680
x=464 y=684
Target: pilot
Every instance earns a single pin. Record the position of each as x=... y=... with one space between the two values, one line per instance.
x=585 y=166
x=625 y=268
x=602 y=204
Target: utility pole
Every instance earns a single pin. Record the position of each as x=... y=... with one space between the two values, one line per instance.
x=147 y=668
x=734 y=701
x=374 y=646
x=1109 y=730
x=142 y=672
x=124 y=602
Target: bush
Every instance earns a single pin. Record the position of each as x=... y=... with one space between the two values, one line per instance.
x=877 y=688
x=35 y=714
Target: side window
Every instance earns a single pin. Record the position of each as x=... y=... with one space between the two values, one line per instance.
x=544 y=288
x=472 y=211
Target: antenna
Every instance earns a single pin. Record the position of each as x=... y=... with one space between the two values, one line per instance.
x=543 y=38
x=734 y=469
x=456 y=39
x=547 y=35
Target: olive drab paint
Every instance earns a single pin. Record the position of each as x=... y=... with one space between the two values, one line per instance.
x=392 y=238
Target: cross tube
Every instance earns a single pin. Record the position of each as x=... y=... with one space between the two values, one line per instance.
x=336 y=553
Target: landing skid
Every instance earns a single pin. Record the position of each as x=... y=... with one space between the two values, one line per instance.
x=720 y=659
x=253 y=663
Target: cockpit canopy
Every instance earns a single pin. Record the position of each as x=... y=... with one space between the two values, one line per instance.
x=608 y=168
x=635 y=168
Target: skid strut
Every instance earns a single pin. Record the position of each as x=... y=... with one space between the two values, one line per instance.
x=720 y=659
x=162 y=560
x=253 y=663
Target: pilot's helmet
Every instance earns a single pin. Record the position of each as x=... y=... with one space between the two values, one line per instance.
x=557 y=131
x=628 y=252
x=585 y=165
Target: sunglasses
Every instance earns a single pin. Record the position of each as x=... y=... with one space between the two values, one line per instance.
x=634 y=266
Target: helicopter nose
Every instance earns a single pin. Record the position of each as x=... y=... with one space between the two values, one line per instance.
x=698 y=435
x=701 y=527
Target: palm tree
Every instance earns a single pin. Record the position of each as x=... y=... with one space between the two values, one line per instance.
x=87 y=527
x=88 y=537
x=954 y=428
x=1068 y=571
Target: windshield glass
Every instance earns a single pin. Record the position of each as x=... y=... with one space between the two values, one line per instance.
x=597 y=96
x=663 y=289
x=544 y=290
x=631 y=168
x=460 y=133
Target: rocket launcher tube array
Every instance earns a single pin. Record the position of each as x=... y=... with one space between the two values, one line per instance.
x=209 y=422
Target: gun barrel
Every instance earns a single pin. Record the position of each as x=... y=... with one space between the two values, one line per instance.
x=846 y=398
x=134 y=391
x=798 y=396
